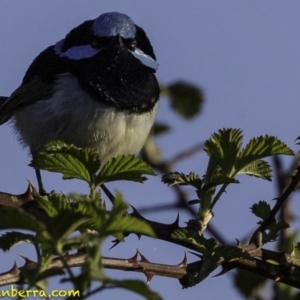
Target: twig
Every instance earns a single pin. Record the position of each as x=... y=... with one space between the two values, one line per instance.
x=280 y=200
x=107 y=192
x=150 y=269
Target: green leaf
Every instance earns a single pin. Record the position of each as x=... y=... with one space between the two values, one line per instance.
x=229 y=252
x=65 y=223
x=273 y=231
x=17 y=218
x=261 y=209
x=217 y=178
x=174 y=178
x=118 y=221
x=123 y=167
x=129 y=225
x=53 y=203
x=186 y=99
x=10 y=239
x=69 y=160
x=257 y=168
x=225 y=146
x=159 y=129
x=203 y=245
x=259 y=148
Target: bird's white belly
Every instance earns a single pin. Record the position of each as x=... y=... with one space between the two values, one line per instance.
x=72 y=116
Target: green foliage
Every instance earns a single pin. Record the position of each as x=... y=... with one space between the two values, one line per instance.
x=159 y=129
x=10 y=239
x=227 y=159
x=55 y=228
x=258 y=168
x=69 y=160
x=211 y=253
x=225 y=146
x=124 y=168
x=261 y=209
x=63 y=223
x=84 y=164
x=273 y=231
x=174 y=178
x=186 y=99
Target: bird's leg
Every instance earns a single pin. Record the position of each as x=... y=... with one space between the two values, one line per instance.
x=42 y=191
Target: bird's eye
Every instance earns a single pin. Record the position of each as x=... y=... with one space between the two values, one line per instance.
x=132 y=46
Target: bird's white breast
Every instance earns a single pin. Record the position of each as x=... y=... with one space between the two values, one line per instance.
x=73 y=116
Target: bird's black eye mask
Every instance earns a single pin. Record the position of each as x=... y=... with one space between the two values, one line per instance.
x=81 y=43
x=84 y=35
x=101 y=42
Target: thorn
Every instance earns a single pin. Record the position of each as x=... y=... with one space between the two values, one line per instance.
x=133 y=259
x=27 y=260
x=143 y=258
x=34 y=191
x=149 y=276
x=183 y=264
x=67 y=256
x=238 y=243
x=193 y=202
x=135 y=213
x=196 y=254
x=14 y=269
x=28 y=193
x=223 y=271
x=116 y=242
x=175 y=223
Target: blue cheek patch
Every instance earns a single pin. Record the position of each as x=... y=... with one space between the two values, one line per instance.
x=145 y=59
x=76 y=53
x=113 y=23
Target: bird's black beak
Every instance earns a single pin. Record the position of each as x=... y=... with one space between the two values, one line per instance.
x=117 y=40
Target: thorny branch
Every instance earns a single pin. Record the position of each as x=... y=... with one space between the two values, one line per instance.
x=142 y=265
x=257 y=263
x=256 y=237
x=286 y=271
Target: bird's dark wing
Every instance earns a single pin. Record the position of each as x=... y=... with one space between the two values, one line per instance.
x=37 y=83
x=24 y=95
x=2 y=100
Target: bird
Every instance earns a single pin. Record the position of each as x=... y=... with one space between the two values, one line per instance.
x=95 y=88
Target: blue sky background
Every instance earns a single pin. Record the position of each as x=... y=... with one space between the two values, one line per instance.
x=245 y=56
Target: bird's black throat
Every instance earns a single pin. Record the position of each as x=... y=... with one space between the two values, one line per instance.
x=116 y=77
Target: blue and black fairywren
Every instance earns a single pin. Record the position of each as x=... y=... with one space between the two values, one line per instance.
x=95 y=88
